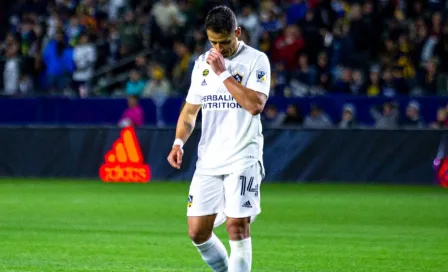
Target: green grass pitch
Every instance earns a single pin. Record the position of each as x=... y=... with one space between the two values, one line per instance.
x=49 y=225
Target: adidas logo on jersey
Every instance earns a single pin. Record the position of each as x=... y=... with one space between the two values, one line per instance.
x=203 y=83
x=247 y=204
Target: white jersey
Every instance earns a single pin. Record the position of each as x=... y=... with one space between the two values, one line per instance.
x=231 y=137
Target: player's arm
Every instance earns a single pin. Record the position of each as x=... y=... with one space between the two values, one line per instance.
x=249 y=99
x=253 y=96
x=187 y=121
x=185 y=126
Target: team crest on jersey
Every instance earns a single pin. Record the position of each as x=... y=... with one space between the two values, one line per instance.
x=205 y=72
x=238 y=77
x=261 y=76
x=190 y=201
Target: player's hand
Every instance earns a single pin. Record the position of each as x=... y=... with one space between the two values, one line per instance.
x=175 y=157
x=216 y=61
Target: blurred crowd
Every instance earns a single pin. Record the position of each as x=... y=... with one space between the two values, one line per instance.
x=148 y=48
x=376 y=47
x=385 y=116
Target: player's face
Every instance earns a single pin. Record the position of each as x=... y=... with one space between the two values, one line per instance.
x=224 y=43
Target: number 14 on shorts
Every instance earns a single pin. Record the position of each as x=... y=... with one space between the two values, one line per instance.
x=247 y=187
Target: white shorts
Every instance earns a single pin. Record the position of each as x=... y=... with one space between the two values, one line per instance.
x=235 y=195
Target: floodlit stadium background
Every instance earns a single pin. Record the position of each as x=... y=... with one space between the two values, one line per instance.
x=355 y=134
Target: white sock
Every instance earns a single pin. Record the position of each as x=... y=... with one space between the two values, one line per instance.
x=240 y=255
x=214 y=253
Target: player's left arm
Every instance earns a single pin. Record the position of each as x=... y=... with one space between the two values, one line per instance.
x=254 y=95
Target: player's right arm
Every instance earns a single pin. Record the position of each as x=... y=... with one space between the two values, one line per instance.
x=186 y=121
x=185 y=126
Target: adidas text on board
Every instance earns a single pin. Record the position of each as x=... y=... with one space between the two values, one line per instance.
x=124 y=162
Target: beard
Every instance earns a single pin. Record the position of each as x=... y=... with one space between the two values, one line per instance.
x=230 y=52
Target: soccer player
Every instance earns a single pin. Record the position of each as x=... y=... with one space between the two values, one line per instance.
x=230 y=83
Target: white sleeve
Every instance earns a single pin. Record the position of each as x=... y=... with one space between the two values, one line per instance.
x=260 y=77
x=193 y=96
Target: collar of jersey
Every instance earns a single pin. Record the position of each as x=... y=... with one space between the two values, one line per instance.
x=240 y=46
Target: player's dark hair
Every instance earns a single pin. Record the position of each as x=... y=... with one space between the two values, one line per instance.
x=221 y=19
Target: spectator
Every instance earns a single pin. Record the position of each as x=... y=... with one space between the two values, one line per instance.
x=270 y=21
x=287 y=46
x=74 y=30
x=84 y=55
x=311 y=33
x=114 y=7
x=265 y=44
x=133 y=115
x=58 y=60
x=323 y=85
x=141 y=65
x=348 y=119
x=35 y=62
x=296 y=11
x=388 y=53
x=357 y=82
x=135 y=84
x=419 y=41
x=322 y=66
x=404 y=58
x=53 y=23
x=388 y=87
x=158 y=86
x=399 y=81
x=113 y=40
x=373 y=85
x=249 y=20
x=427 y=77
x=130 y=35
x=338 y=8
x=304 y=77
x=441 y=49
x=27 y=37
x=26 y=85
x=317 y=119
x=388 y=118
x=441 y=119
x=362 y=40
x=293 y=116
x=339 y=46
x=166 y=14
x=158 y=89
x=342 y=85
x=413 y=118
x=279 y=79
x=245 y=36
x=416 y=10
x=271 y=117
x=180 y=77
x=11 y=71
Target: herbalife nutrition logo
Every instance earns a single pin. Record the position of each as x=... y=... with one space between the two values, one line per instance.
x=124 y=162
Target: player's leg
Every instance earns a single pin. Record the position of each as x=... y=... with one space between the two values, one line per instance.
x=204 y=201
x=240 y=244
x=242 y=193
